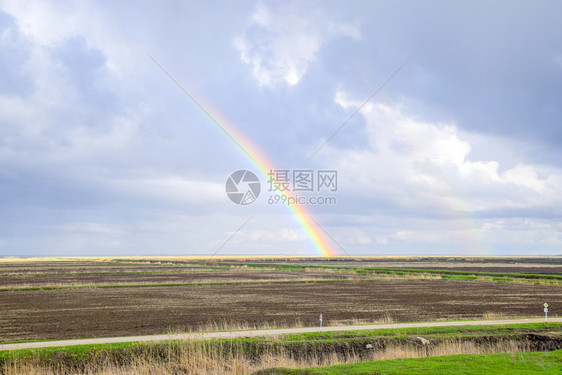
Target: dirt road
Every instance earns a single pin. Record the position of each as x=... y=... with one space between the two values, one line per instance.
x=265 y=332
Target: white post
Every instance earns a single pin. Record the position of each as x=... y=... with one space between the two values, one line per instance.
x=545 y=312
x=320 y=322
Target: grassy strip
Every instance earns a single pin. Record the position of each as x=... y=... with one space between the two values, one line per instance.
x=327 y=337
x=552 y=260
x=438 y=332
x=255 y=282
x=470 y=275
x=478 y=364
x=77 y=351
x=463 y=273
x=114 y=273
x=444 y=274
x=193 y=283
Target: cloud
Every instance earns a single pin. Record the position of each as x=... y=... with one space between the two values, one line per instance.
x=71 y=112
x=172 y=189
x=40 y=22
x=275 y=236
x=14 y=80
x=425 y=166
x=99 y=151
x=281 y=44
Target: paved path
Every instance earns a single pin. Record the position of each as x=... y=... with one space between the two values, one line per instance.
x=262 y=332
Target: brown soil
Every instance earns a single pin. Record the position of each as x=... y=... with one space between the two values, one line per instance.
x=97 y=312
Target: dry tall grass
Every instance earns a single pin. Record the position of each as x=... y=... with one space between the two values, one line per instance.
x=297 y=322
x=385 y=319
x=493 y=315
x=216 y=358
x=236 y=325
x=452 y=347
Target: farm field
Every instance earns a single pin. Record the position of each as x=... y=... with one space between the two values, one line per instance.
x=62 y=299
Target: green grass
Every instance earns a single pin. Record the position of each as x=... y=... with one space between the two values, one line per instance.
x=429 y=271
x=444 y=274
x=440 y=332
x=459 y=277
x=163 y=284
x=76 y=356
x=467 y=330
x=77 y=351
x=316 y=337
x=110 y=273
x=455 y=275
x=480 y=364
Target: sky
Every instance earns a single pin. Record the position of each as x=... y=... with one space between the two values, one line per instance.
x=120 y=126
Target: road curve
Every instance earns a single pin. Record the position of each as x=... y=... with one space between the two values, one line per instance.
x=261 y=332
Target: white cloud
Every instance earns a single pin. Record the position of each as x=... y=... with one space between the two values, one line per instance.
x=171 y=189
x=79 y=106
x=361 y=238
x=525 y=176
x=49 y=24
x=280 y=45
x=277 y=235
x=422 y=165
x=526 y=232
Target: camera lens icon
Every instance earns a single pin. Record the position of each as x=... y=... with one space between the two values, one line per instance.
x=243 y=187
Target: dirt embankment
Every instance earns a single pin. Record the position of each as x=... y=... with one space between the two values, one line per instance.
x=350 y=348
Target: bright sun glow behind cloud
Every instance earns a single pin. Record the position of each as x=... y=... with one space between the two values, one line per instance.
x=280 y=47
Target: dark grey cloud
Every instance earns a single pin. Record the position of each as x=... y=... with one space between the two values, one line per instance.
x=493 y=68
x=85 y=69
x=13 y=80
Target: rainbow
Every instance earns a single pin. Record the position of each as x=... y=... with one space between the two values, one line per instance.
x=262 y=163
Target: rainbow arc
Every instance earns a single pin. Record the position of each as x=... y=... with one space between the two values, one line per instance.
x=262 y=163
